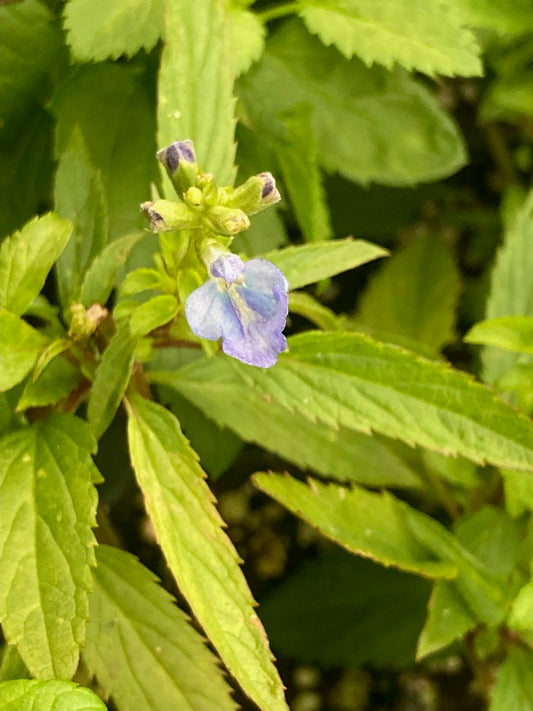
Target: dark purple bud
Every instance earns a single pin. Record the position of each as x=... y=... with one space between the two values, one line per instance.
x=176 y=152
x=269 y=184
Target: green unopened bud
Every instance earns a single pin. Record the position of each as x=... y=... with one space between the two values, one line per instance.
x=180 y=163
x=166 y=216
x=227 y=221
x=194 y=198
x=257 y=193
x=208 y=185
x=84 y=321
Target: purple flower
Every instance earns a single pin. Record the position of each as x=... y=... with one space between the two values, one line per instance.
x=245 y=304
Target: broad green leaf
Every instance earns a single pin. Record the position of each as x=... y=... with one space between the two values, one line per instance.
x=143 y=279
x=513 y=690
x=511 y=292
x=518 y=491
x=57 y=379
x=110 y=158
x=508 y=99
x=508 y=18
x=195 y=89
x=521 y=615
x=26 y=258
x=51 y=695
x=246 y=37
x=348 y=379
x=449 y=618
x=155 y=312
x=368 y=615
x=99 y=279
x=27 y=170
x=47 y=487
x=297 y=155
x=105 y=29
x=423 y=35
x=370 y=124
x=141 y=646
x=414 y=295
x=112 y=378
x=222 y=392
x=53 y=349
x=380 y=527
x=20 y=345
x=28 y=31
x=309 y=263
x=512 y=333
x=199 y=553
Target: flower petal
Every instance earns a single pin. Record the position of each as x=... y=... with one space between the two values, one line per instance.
x=205 y=310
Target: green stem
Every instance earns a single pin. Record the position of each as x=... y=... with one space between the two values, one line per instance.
x=273 y=13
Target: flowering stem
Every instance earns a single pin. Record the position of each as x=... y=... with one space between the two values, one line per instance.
x=274 y=13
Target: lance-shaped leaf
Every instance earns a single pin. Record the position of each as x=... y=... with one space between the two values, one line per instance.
x=20 y=345
x=309 y=263
x=512 y=333
x=421 y=35
x=51 y=695
x=26 y=258
x=196 y=84
x=200 y=555
x=381 y=527
x=47 y=486
x=352 y=380
x=142 y=648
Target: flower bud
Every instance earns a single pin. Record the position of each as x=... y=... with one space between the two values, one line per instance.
x=227 y=221
x=194 y=198
x=257 y=193
x=180 y=163
x=166 y=216
x=84 y=322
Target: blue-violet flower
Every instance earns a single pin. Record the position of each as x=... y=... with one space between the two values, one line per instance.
x=245 y=304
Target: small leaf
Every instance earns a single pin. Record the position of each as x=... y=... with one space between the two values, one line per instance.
x=47 y=485
x=106 y=29
x=20 y=345
x=142 y=648
x=309 y=263
x=197 y=550
x=497 y=15
x=112 y=378
x=247 y=38
x=303 y=304
x=195 y=85
x=368 y=615
x=513 y=690
x=26 y=258
x=420 y=35
x=55 y=382
x=100 y=278
x=392 y=301
x=12 y=666
x=142 y=279
x=449 y=618
x=512 y=333
x=155 y=312
x=51 y=695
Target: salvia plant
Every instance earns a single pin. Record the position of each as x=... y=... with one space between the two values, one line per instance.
x=218 y=397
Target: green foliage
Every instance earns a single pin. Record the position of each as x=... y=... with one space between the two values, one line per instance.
x=51 y=695
x=247 y=38
x=513 y=690
x=20 y=345
x=512 y=333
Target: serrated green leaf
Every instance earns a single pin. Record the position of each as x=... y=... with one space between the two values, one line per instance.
x=51 y=695
x=513 y=690
x=369 y=124
x=387 y=530
x=20 y=345
x=199 y=553
x=247 y=38
x=196 y=84
x=297 y=155
x=57 y=379
x=106 y=29
x=47 y=487
x=155 y=312
x=309 y=263
x=449 y=618
x=368 y=615
x=420 y=35
x=224 y=394
x=512 y=333
x=26 y=258
x=348 y=379
x=141 y=647
x=511 y=292
x=393 y=302
x=28 y=30
x=100 y=278
x=112 y=378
